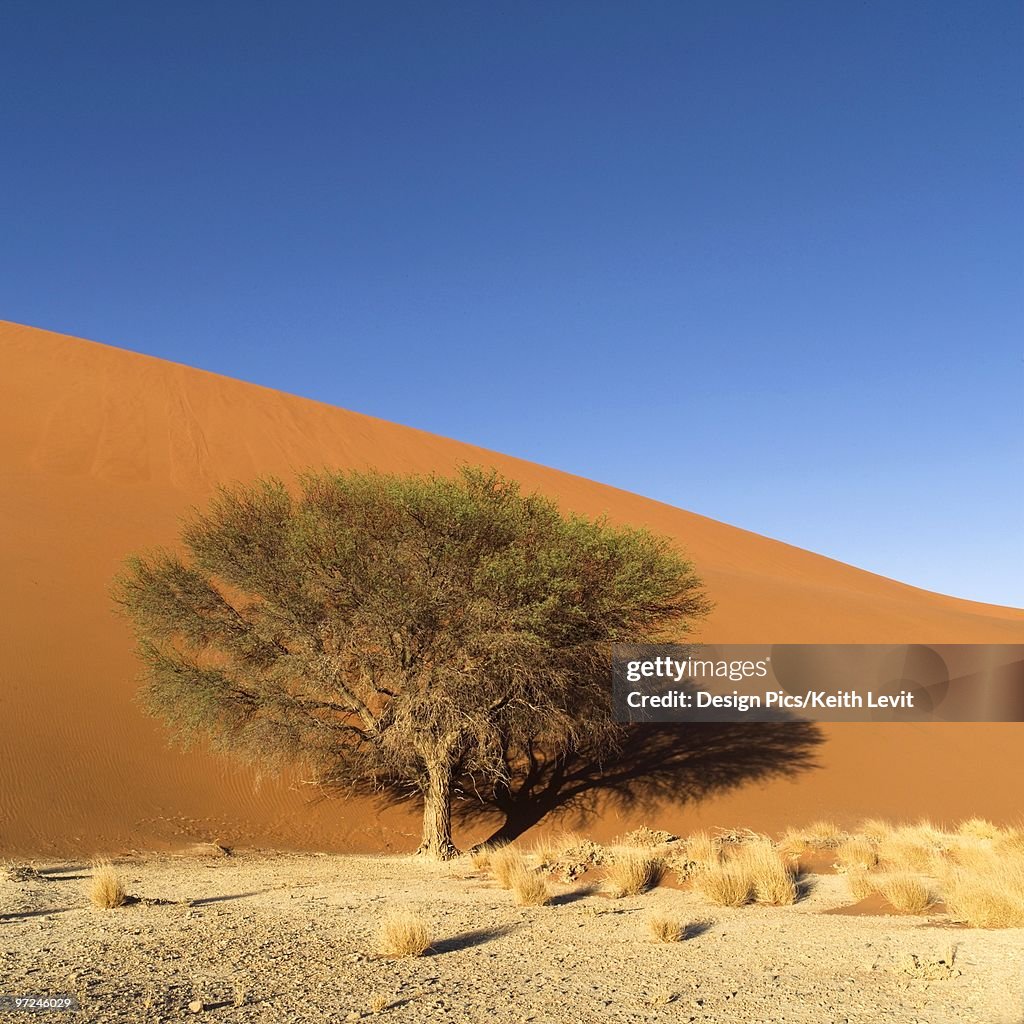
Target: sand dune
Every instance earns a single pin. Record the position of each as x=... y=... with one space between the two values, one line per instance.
x=102 y=450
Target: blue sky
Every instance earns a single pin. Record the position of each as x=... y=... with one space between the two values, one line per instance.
x=759 y=260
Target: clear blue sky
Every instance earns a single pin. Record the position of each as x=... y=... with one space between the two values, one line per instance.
x=759 y=260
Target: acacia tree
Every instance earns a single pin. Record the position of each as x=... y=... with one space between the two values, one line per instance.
x=397 y=631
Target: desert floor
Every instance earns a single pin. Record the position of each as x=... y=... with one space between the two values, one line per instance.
x=287 y=937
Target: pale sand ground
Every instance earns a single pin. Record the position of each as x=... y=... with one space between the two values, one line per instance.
x=296 y=935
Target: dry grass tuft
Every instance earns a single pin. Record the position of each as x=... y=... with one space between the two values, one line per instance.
x=874 y=830
x=914 y=848
x=106 y=890
x=792 y=845
x=634 y=871
x=665 y=929
x=480 y=858
x=770 y=876
x=728 y=884
x=856 y=854
x=506 y=865
x=989 y=894
x=907 y=894
x=689 y=858
x=979 y=828
x=861 y=886
x=823 y=834
x=702 y=851
x=403 y=933
x=530 y=889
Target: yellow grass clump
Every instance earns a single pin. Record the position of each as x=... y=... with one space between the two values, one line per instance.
x=530 y=889
x=507 y=864
x=826 y=834
x=634 y=871
x=480 y=858
x=702 y=850
x=979 y=828
x=906 y=893
x=913 y=848
x=861 y=886
x=856 y=854
x=555 y=847
x=874 y=830
x=792 y=845
x=1010 y=840
x=665 y=929
x=403 y=933
x=106 y=890
x=988 y=894
x=770 y=876
x=727 y=884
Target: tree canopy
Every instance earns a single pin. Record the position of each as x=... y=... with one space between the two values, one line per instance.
x=390 y=631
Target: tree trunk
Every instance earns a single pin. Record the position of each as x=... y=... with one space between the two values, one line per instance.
x=437 y=843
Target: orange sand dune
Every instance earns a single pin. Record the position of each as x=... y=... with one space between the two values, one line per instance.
x=102 y=450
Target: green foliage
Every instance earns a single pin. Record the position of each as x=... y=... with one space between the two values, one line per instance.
x=383 y=629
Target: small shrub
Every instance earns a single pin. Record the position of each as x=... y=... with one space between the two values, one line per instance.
x=106 y=890
x=909 y=849
x=907 y=894
x=665 y=929
x=645 y=836
x=634 y=871
x=404 y=933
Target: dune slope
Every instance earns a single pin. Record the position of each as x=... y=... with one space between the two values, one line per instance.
x=103 y=450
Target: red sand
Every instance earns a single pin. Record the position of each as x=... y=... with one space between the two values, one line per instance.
x=103 y=450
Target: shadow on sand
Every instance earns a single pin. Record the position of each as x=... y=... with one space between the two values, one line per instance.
x=653 y=764
x=466 y=940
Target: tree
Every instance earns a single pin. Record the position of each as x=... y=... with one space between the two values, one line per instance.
x=417 y=631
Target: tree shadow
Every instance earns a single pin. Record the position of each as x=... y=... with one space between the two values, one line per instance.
x=652 y=764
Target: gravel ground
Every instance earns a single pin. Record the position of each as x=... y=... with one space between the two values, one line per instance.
x=282 y=937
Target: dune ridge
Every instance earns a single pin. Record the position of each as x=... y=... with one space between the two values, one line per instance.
x=103 y=450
